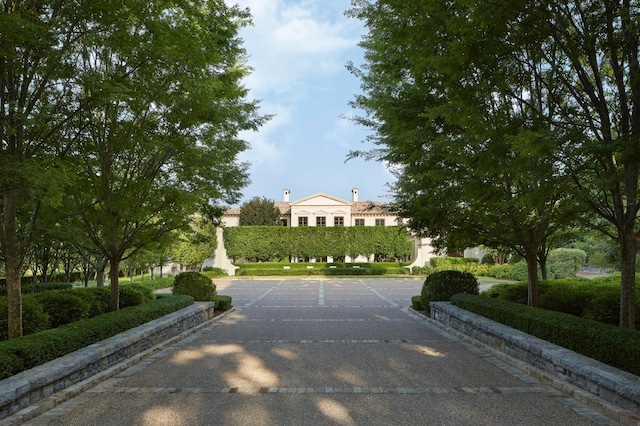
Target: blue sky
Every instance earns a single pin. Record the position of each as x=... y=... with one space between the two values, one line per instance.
x=298 y=50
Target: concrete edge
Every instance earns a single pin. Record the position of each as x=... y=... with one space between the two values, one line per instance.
x=32 y=392
x=612 y=392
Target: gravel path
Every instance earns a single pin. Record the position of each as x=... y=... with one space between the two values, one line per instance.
x=321 y=351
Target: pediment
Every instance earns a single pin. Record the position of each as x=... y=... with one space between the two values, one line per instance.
x=320 y=199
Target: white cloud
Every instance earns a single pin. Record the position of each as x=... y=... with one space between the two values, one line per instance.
x=291 y=41
x=264 y=149
x=344 y=132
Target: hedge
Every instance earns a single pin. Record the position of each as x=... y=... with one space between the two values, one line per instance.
x=39 y=288
x=597 y=299
x=266 y=243
x=612 y=345
x=26 y=352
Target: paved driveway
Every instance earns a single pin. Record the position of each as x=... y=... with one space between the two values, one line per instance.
x=321 y=352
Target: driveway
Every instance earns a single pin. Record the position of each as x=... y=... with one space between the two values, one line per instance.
x=321 y=351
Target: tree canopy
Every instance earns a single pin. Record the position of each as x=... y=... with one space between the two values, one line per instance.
x=259 y=212
x=124 y=116
x=507 y=121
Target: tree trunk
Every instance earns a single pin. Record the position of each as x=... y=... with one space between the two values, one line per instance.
x=532 y=277
x=114 y=265
x=627 y=279
x=14 y=293
x=13 y=261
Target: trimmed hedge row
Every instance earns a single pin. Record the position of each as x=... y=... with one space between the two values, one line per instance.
x=26 y=352
x=612 y=345
x=39 y=288
x=597 y=299
x=322 y=268
x=319 y=271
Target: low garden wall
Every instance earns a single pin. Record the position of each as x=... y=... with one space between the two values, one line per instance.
x=616 y=387
x=26 y=395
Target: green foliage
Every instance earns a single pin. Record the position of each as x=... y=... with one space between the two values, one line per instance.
x=597 y=299
x=39 y=288
x=259 y=212
x=97 y=298
x=64 y=307
x=612 y=345
x=268 y=243
x=135 y=294
x=440 y=286
x=322 y=268
x=416 y=303
x=223 y=303
x=30 y=351
x=211 y=271
x=566 y=262
x=34 y=318
x=196 y=285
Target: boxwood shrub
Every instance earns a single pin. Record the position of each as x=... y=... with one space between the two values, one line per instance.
x=26 y=352
x=34 y=318
x=196 y=285
x=64 y=306
x=223 y=303
x=440 y=286
x=612 y=345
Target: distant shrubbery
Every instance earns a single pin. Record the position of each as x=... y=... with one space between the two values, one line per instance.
x=322 y=268
x=561 y=263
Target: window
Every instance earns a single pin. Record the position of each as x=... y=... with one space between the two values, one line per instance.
x=359 y=222
x=338 y=221
x=283 y=222
x=302 y=221
x=321 y=221
x=379 y=222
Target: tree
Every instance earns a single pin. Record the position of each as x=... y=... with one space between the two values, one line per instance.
x=196 y=245
x=37 y=102
x=473 y=165
x=259 y=212
x=162 y=107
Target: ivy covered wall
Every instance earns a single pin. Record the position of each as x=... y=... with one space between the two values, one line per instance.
x=279 y=243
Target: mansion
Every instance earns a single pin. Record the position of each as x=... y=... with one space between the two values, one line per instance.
x=326 y=210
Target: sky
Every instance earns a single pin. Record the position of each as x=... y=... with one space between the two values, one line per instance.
x=298 y=50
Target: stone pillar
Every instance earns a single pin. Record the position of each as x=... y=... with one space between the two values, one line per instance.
x=221 y=260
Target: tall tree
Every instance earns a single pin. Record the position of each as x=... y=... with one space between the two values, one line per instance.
x=259 y=212
x=163 y=104
x=472 y=164
x=37 y=57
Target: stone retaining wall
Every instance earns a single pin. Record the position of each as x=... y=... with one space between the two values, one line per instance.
x=615 y=386
x=28 y=388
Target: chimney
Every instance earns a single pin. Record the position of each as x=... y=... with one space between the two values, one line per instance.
x=354 y=193
x=286 y=195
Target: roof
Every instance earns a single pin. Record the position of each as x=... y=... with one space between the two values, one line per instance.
x=357 y=207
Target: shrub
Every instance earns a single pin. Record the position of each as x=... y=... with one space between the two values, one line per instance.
x=223 y=303
x=131 y=295
x=63 y=306
x=97 y=297
x=34 y=318
x=440 y=286
x=196 y=285
x=566 y=262
x=39 y=288
x=36 y=349
x=416 y=303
